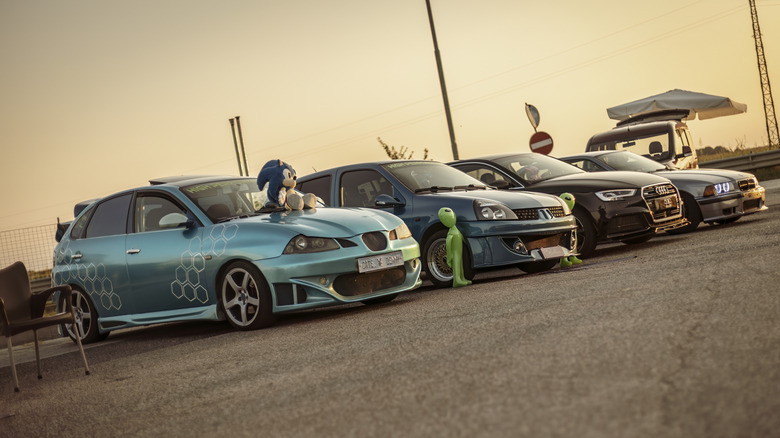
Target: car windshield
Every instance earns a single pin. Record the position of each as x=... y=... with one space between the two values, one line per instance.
x=431 y=176
x=625 y=160
x=533 y=168
x=228 y=199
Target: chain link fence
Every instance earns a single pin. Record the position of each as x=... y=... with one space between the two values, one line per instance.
x=32 y=246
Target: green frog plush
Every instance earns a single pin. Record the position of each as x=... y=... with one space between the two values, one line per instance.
x=454 y=247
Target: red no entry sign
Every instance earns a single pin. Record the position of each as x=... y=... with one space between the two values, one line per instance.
x=541 y=142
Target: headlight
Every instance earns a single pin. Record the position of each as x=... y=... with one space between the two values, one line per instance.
x=400 y=232
x=304 y=245
x=718 y=189
x=615 y=195
x=489 y=210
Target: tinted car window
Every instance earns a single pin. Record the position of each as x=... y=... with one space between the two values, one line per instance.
x=361 y=187
x=586 y=165
x=149 y=209
x=318 y=187
x=77 y=232
x=110 y=217
x=484 y=173
x=536 y=167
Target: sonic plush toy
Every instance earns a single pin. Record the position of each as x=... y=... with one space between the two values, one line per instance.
x=569 y=199
x=280 y=178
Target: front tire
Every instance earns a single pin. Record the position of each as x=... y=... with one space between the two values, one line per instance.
x=586 y=233
x=245 y=298
x=691 y=212
x=435 y=260
x=86 y=318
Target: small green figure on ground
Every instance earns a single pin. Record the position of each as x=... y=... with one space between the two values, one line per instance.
x=454 y=247
x=569 y=199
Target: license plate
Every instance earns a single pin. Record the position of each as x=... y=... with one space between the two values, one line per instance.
x=383 y=261
x=553 y=252
x=666 y=203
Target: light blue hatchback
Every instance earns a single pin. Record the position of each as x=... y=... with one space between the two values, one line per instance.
x=202 y=248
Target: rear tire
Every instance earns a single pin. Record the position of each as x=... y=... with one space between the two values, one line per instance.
x=86 y=318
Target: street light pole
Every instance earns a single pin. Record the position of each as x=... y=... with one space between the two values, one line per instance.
x=443 y=85
x=235 y=143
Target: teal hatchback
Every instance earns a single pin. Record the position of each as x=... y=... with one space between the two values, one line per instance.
x=202 y=248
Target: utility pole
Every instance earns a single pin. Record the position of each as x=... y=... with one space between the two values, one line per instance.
x=443 y=85
x=235 y=143
x=766 y=89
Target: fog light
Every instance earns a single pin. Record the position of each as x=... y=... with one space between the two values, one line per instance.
x=414 y=263
x=518 y=246
x=324 y=281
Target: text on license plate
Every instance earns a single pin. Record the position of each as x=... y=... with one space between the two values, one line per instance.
x=666 y=203
x=383 y=261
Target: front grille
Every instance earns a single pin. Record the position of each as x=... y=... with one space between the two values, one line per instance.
x=654 y=195
x=351 y=285
x=532 y=214
x=541 y=241
x=747 y=184
x=546 y=242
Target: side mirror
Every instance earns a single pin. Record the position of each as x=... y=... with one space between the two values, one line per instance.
x=174 y=220
x=387 y=201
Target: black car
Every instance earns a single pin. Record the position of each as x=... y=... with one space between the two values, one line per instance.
x=628 y=207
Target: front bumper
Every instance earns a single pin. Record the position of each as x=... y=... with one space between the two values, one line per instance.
x=732 y=205
x=301 y=282
x=503 y=243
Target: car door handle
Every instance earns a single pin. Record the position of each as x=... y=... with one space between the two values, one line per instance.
x=76 y=256
x=133 y=251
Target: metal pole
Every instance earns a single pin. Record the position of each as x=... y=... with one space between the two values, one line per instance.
x=443 y=85
x=241 y=140
x=235 y=143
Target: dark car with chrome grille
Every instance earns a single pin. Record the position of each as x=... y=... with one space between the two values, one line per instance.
x=625 y=207
x=712 y=196
x=529 y=230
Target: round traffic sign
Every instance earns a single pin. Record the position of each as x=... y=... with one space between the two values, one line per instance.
x=541 y=142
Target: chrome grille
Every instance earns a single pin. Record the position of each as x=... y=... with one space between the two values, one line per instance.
x=532 y=214
x=657 y=192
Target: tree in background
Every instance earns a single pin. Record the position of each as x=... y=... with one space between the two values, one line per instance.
x=399 y=154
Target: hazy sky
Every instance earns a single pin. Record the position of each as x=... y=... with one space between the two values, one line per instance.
x=101 y=95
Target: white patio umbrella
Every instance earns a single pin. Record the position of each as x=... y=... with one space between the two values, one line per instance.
x=706 y=106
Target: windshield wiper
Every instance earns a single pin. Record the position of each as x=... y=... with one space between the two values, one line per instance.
x=239 y=216
x=470 y=187
x=433 y=189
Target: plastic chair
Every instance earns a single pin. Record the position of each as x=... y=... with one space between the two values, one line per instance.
x=22 y=310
